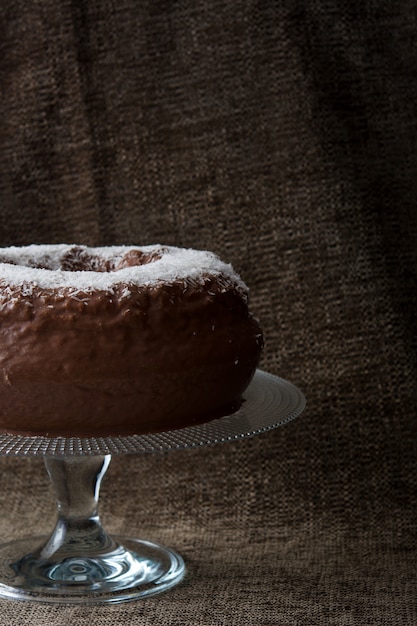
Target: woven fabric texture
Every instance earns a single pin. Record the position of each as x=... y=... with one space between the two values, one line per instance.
x=282 y=136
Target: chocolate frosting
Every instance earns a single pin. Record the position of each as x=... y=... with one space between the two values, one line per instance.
x=124 y=361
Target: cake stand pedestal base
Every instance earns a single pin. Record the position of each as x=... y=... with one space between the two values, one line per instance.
x=80 y=562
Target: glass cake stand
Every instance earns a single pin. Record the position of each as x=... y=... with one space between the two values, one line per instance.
x=79 y=562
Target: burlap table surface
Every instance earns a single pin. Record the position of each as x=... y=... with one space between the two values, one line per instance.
x=281 y=135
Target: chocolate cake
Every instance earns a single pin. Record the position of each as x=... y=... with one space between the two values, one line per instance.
x=120 y=340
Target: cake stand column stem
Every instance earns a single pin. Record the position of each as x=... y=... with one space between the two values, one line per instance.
x=76 y=481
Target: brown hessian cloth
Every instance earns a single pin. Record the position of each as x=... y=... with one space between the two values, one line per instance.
x=282 y=135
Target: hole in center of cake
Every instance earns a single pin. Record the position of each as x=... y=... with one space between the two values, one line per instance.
x=78 y=260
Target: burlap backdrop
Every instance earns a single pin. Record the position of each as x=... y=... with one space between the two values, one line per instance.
x=281 y=135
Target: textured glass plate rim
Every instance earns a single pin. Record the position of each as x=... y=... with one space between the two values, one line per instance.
x=269 y=402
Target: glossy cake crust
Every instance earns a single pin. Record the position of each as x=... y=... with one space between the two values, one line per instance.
x=86 y=357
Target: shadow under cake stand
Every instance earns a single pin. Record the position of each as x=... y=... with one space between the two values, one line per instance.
x=79 y=562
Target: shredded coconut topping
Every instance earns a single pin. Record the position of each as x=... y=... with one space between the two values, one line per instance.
x=42 y=266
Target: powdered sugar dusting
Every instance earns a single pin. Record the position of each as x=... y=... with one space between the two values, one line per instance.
x=41 y=266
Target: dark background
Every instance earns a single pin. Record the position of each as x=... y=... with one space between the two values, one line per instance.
x=282 y=136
